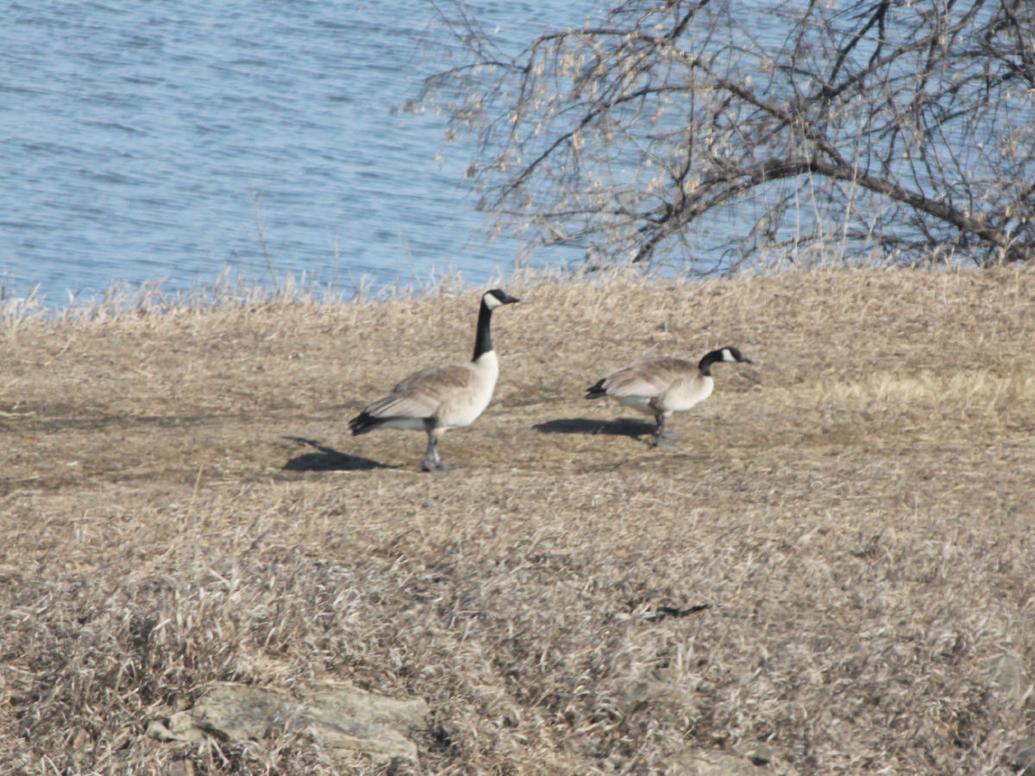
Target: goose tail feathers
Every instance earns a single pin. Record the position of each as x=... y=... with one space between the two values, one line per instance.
x=364 y=423
x=596 y=390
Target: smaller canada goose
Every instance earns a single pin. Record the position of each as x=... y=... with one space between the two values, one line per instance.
x=441 y=397
x=660 y=386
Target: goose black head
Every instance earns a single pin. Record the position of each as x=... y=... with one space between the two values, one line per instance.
x=496 y=297
x=728 y=354
x=734 y=356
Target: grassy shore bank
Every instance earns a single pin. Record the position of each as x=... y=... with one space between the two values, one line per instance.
x=181 y=504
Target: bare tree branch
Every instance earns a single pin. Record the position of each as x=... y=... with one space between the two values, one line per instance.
x=690 y=129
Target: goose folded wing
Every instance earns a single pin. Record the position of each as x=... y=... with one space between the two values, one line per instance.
x=421 y=394
x=647 y=377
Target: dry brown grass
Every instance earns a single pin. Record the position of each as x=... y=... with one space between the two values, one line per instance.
x=857 y=513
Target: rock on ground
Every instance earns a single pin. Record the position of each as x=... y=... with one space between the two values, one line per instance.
x=337 y=715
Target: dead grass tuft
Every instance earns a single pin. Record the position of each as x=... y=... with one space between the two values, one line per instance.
x=827 y=567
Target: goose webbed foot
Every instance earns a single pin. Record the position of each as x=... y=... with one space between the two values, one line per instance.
x=436 y=465
x=663 y=438
x=666 y=439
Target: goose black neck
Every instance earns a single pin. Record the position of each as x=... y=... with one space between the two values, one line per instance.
x=705 y=366
x=483 y=339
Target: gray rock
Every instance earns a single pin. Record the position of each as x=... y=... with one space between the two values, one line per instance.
x=644 y=692
x=1010 y=680
x=704 y=763
x=336 y=715
x=178 y=727
x=758 y=754
x=1021 y=757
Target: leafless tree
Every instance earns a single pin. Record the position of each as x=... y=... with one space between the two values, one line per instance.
x=693 y=130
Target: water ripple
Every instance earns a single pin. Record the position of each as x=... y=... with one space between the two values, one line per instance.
x=160 y=140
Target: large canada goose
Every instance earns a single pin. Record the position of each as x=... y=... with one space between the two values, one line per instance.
x=442 y=397
x=660 y=386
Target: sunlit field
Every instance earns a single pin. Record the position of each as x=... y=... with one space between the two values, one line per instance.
x=825 y=576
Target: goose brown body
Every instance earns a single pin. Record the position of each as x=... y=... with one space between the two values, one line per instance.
x=439 y=398
x=658 y=384
x=662 y=385
x=449 y=396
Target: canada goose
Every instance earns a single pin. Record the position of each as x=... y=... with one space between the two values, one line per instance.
x=660 y=386
x=441 y=397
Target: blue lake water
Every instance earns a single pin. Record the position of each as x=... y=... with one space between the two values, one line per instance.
x=170 y=141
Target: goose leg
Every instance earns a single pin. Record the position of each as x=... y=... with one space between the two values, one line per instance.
x=663 y=438
x=432 y=461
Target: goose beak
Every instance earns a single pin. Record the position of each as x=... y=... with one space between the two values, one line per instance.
x=746 y=360
x=508 y=299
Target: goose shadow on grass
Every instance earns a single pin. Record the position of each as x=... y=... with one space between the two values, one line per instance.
x=326 y=459
x=629 y=427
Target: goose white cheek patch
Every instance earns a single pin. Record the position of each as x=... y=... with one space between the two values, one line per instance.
x=491 y=302
x=726 y=355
